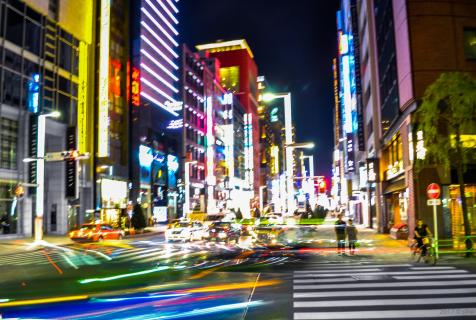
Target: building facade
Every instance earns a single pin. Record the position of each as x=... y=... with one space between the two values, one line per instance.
x=46 y=65
x=238 y=74
x=155 y=109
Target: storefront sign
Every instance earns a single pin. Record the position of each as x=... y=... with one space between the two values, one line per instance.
x=71 y=166
x=372 y=170
x=82 y=98
x=420 y=146
x=350 y=165
x=33 y=151
x=135 y=87
x=103 y=114
x=34 y=93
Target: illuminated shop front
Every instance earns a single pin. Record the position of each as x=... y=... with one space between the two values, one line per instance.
x=114 y=197
x=453 y=212
x=158 y=183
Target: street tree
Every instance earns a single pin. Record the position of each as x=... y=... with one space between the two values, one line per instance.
x=447 y=117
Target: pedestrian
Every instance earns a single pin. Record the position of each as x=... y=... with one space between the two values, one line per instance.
x=340 y=234
x=5 y=223
x=351 y=232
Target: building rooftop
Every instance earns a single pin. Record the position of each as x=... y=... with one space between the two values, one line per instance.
x=221 y=46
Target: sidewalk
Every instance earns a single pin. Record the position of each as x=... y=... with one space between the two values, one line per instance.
x=386 y=246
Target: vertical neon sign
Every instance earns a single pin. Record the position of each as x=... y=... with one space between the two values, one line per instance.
x=34 y=93
x=103 y=117
x=135 y=87
x=82 y=97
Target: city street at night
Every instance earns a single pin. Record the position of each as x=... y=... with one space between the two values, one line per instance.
x=238 y=159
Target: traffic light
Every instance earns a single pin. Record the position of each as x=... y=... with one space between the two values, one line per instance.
x=322 y=186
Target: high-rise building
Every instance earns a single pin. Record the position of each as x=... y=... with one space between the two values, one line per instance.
x=396 y=69
x=112 y=152
x=47 y=55
x=353 y=186
x=156 y=140
x=238 y=74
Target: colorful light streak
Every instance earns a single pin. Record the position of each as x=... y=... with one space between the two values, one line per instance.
x=41 y=301
x=126 y=275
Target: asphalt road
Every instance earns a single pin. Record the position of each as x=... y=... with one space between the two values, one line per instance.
x=151 y=279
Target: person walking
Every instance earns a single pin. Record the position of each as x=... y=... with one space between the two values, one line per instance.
x=351 y=232
x=340 y=234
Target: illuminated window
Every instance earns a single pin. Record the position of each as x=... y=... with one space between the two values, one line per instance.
x=230 y=78
x=8 y=147
x=470 y=43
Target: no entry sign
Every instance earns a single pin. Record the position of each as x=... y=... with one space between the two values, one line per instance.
x=433 y=191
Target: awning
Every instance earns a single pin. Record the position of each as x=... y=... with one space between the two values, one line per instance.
x=394 y=186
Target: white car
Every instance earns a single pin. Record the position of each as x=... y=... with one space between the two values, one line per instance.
x=185 y=231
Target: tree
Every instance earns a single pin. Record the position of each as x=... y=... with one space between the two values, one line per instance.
x=447 y=112
x=138 y=218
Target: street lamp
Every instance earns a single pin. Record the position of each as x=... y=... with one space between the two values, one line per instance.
x=289 y=155
x=186 y=206
x=288 y=141
x=311 y=175
x=40 y=173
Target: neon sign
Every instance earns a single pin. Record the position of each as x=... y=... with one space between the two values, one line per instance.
x=135 y=87
x=103 y=118
x=34 y=93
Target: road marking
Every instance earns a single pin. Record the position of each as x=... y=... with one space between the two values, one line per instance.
x=383 y=302
x=387 y=284
x=335 y=271
x=379 y=314
x=432 y=268
x=346 y=279
x=329 y=275
x=442 y=276
x=397 y=292
x=367 y=266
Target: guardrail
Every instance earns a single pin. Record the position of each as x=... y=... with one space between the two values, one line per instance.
x=455 y=245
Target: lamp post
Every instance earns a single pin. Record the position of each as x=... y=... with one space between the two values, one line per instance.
x=311 y=174
x=288 y=140
x=186 y=207
x=40 y=173
x=290 y=181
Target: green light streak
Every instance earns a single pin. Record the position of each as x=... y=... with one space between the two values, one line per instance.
x=126 y=275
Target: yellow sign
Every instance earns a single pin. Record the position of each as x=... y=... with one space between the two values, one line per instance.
x=82 y=98
x=103 y=118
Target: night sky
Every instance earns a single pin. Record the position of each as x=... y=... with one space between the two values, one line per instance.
x=293 y=42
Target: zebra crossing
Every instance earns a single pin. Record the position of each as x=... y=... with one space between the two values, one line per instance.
x=366 y=290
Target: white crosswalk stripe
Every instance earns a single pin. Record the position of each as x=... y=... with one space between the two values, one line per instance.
x=379 y=291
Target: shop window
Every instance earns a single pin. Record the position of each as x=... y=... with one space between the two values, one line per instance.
x=32 y=37
x=9 y=141
x=470 y=43
x=75 y=67
x=11 y=88
x=14 y=27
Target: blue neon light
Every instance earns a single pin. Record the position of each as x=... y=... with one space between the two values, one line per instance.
x=34 y=93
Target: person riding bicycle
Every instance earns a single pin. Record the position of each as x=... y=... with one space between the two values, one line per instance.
x=422 y=231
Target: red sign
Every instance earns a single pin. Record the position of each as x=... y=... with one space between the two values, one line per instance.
x=433 y=191
x=135 y=87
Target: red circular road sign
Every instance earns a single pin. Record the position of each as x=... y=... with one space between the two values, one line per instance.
x=433 y=191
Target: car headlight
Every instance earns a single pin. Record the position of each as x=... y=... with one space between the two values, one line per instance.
x=222 y=235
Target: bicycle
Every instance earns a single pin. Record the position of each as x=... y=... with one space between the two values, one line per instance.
x=430 y=256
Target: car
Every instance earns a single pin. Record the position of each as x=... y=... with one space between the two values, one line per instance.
x=247 y=226
x=185 y=231
x=269 y=234
x=273 y=218
x=223 y=232
x=212 y=218
x=96 y=232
